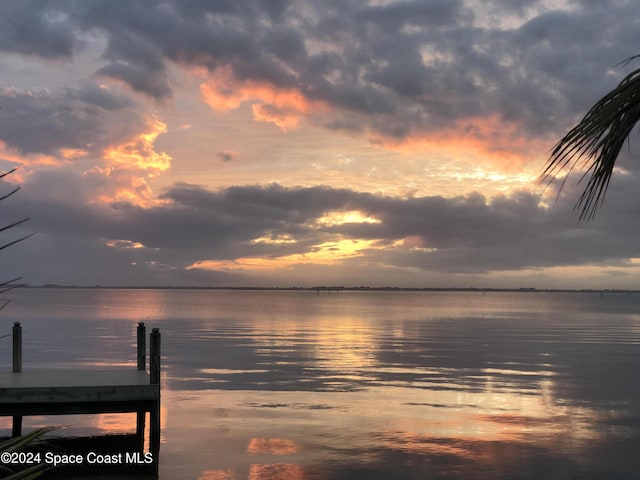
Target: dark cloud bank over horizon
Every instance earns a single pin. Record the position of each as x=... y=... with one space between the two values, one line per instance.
x=457 y=236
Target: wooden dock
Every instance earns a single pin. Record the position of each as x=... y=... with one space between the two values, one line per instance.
x=87 y=391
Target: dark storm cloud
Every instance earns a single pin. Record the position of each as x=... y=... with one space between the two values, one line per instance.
x=399 y=69
x=466 y=234
x=138 y=63
x=86 y=117
x=419 y=13
x=36 y=27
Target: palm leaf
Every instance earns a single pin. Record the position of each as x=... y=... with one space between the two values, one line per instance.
x=597 y=140
x=30 y=473
x=18 y=443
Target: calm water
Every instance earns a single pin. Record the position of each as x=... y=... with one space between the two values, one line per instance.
x=362 y=385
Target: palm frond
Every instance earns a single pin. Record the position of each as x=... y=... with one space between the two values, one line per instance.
x=4 y=174
x=9 y=285
x=14 y=224
x=8 y=244
x=597 y=140
x=19 y=443
x=5 y=287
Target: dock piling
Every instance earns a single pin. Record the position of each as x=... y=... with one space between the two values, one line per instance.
x=154 y=356
x=154 y=378
x=142 y=346
x=142 y=366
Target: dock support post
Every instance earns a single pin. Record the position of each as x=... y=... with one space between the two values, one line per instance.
x=142 y=365
x=16 y=430
x=140 y=425
x=154 y=377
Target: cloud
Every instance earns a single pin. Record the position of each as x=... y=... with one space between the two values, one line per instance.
x=266 y=230
x=139 y=152
x=399 y=70
x=452 y=80
x=89 y=129
x=87 y=118
x=35 y=28
x=426 y=13
x=139 y=63
x=227 y=155
x=283 y=107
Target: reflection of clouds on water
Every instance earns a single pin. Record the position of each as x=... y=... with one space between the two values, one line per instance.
x=370 y=434
x=276 y=471
x=272 y=446
x=263 y=471
x=294 y=405
x=217 y=475
x=381 y=386
x=502 y=390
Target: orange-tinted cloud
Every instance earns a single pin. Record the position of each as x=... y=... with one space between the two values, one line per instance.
x=120 y=185
x=128 y=167
x=282 y=107
x=122 y=173
x=33 y=159
x=139 y=152
x=489 y=140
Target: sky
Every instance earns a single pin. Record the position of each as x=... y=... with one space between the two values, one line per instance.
x=299 y=143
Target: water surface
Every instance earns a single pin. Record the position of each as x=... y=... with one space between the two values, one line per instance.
x=298 y=385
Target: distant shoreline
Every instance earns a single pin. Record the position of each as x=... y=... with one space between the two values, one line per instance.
x=337 y=289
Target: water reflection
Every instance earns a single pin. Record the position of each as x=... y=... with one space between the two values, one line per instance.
x=217 y=475
x=272 y=446
x=276 y=471
x=293 y=385
x=373 y=430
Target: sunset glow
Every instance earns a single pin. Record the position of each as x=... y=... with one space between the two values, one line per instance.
x=265 y=140
x=139 y=153
x=353 y=232
x=327 y=253
x=284 y=108
x=340 y=218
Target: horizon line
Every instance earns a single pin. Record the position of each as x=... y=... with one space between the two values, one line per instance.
x=334 y=288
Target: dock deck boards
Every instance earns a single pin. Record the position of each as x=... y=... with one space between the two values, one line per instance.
x=45 y=377
x=62 y=386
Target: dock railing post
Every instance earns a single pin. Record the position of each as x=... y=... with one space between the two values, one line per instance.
x=16 y=430
x=142 y=346
x=154 y=378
